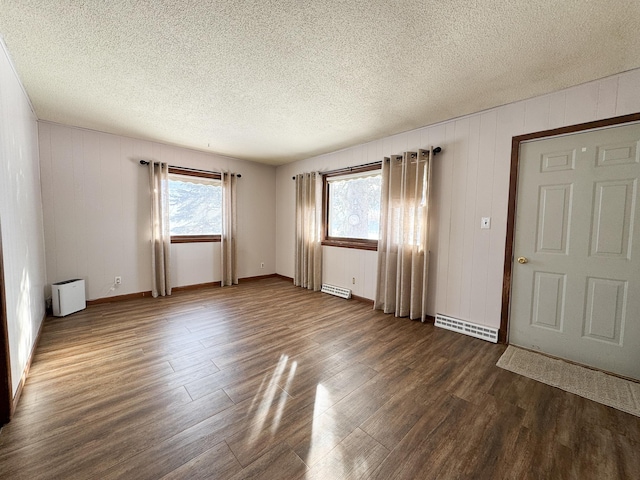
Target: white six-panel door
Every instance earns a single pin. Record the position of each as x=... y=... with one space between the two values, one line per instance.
x=576 y=272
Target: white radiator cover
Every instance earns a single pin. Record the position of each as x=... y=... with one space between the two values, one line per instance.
x=335 y=290
x=68 y=297
x=472 y=329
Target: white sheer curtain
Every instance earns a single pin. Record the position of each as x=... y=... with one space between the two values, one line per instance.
x=308 y=252
x=403 y=247
x=229 y=235
x=160 y=234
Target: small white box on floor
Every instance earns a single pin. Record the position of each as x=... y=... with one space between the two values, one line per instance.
x=68 y=297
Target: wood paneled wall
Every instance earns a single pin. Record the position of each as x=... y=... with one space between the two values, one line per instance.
x=21 y=213
x=471 y=180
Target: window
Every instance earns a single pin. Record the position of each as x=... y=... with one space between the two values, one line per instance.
x=195 y=206
x=352 y=208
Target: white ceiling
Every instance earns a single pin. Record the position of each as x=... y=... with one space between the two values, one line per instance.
x=275 y=81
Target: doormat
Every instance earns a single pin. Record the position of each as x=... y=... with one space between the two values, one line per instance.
x=592 y=384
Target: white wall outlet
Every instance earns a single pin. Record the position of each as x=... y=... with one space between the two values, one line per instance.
x=485 y=222
x=353 y=280
x=118 y=281
x=262 y=265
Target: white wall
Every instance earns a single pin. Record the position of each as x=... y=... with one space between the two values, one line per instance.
x=96 y=212
x=471 y=180
x=21 y=218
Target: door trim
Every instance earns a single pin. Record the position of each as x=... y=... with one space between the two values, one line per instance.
x=6 y=397
x=513 y=186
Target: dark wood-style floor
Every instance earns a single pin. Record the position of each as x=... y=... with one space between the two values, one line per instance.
x=265 y=380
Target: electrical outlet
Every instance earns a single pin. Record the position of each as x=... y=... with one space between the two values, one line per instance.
x=485 y=222
x=262 y=265
x=353 y=280
x=118 y=281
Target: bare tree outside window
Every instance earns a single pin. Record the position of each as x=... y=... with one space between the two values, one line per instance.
x=195 y=208
x=354 y=207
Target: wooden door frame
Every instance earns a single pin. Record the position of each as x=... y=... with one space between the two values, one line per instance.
x=513 y=187
x=6 y=397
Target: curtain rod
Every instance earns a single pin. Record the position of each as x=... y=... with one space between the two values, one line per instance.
x=146 y=162
x=348 y=169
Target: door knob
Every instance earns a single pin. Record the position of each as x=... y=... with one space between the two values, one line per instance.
x=522 y=260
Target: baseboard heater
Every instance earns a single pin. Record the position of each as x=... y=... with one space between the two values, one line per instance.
x=462 y=326
x=337 y=291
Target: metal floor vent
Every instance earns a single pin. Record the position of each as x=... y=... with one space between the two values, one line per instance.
x=478 y=331
x=337 y=291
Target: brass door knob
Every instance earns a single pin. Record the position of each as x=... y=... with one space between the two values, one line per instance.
x=522 y=260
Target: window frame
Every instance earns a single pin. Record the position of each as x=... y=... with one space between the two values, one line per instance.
x=344 y=242
x=195 y=238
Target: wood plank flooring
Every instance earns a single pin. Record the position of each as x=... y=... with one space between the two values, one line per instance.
x=266 y=380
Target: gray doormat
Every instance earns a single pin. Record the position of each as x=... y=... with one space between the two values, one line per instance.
x=592 y=384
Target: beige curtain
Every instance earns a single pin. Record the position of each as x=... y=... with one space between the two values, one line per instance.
x=160 y=234
x=403 y=247
x=229 y=235
x=308 y=259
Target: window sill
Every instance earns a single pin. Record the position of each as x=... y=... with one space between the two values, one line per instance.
x=351 y=243
x=195 y=238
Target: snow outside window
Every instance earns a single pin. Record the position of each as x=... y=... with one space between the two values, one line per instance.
x=354 y=206
x=195 y=206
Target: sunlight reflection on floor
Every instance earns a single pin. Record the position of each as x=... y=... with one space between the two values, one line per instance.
x=323 y=401
x=283 y=398
x=265 y=398
x=323 y=427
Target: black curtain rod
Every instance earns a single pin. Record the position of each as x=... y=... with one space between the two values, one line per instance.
x=348 y=169
x=146 y=162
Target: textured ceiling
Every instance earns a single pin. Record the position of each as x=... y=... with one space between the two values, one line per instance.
x=275 y=81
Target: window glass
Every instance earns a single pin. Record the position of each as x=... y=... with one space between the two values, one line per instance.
x=354 y=206
x=195 y=205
